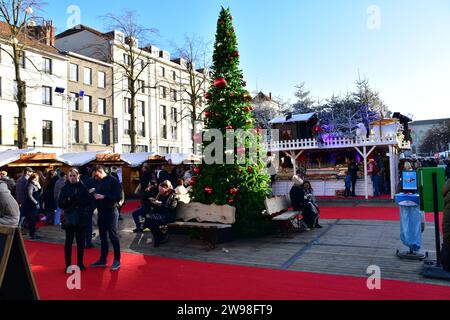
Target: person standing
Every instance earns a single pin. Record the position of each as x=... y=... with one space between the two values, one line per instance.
x=9 y=209
x=48 y=196
x=164 y=211
x=74 y=199
x=59 y=184
x=107 y=194
x=9 y=181
x=89 y=183
x=32 y=205
x=21 y=191
x=374 y=172
x=353 y=171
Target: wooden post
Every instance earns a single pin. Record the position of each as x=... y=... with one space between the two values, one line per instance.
x=392 y=171
x=366 y=182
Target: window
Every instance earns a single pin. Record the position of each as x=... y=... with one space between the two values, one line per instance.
x=16 y=130
x=126 y=127
x=101 y=134
x=47 y=132
x=141 y=128
x=47 y=65
x=164 y=122
x=74 y=104
x=127 y=105
x=126 y=59
x=22 y=59
x=174 y=75
x=141 y=108
x=162 y=71
x=141 y=84
x=163 y=150
x=47 y=95
x=88 y=76
x=173 y=95
x=73 y=72
x=101 y=80
x=101 y=106
x=75 y=137
x=174 y=150
x=88 y=132
x=87 y=104
x=173 y=131
x=163 y=92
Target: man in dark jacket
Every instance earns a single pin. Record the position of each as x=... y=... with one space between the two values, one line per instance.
x=21 y=190
x=89 y=183
x=108 y=191
x=9 y=209
x=353 y=171
x=150 y=192
x=300 y=203
x=9 y=182
x=74 y=199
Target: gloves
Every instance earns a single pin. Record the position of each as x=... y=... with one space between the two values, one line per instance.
x=38 y=207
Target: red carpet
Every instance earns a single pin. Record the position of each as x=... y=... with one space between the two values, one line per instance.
x=382 y=197
x=155 y=278
x=367 y=213
x=130 y=206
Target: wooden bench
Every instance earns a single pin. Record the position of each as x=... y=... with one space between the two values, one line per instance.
x=278 y=208
x=208 y=218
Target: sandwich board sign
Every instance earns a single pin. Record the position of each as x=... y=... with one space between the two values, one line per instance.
x=16 y=279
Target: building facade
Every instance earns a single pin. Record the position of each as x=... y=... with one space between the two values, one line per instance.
x=44 y=70
x=90 y=104
x=419 y=130
x=161 y=118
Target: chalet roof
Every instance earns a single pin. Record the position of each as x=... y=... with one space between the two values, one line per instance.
x=302 y=117
x=9 y=156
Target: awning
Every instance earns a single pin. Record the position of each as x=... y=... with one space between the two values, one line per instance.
x=9 y=156
x=136 y=159
x=79 y=159
x=180 y=158
x=303 y=117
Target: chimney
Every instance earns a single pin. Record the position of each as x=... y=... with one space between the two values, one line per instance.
x=270 y=96
x=44 y=33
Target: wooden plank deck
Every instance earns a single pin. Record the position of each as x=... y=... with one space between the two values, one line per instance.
x=342 y=247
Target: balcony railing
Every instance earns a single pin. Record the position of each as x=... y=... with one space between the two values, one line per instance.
x=334 y=143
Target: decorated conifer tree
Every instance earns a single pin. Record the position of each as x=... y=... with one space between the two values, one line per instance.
x=242 y=184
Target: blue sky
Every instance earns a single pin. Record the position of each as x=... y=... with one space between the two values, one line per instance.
x=325 y=43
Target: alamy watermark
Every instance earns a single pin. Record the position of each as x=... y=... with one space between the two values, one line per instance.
x=75 y=16
x=374 y=19
x=74 y=281
x=374 y=279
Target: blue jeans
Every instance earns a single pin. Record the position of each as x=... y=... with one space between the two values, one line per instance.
x=376 y=184
x=108 y=222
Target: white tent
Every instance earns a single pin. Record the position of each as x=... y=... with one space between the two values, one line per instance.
x=78 y=159
x=9 y=156
x=180 y=158
x=136 y=159
x=303 y=117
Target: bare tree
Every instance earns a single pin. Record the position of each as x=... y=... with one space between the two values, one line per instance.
x=194 y=58
x=19 y=16
x=134 y=61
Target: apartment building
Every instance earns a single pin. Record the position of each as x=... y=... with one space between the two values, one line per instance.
x=44 y=71
x=90 y=98
x=162 y=119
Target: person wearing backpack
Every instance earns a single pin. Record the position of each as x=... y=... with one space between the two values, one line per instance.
x=374 y=171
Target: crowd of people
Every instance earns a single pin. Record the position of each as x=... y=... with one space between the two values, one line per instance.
x=71 y=198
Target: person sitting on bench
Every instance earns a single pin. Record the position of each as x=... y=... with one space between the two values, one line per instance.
x=312 y=202
x=300 y=203
x=150 y=192
x=163 y=212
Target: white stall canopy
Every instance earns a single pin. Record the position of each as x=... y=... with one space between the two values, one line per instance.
x=79 y=159
x=136 y=159
x=9 y=156
x=180 y=158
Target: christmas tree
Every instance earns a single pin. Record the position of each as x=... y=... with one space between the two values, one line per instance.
x=243 y=184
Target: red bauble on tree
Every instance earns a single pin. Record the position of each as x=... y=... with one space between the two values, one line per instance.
x=229 y=127
x=220 y=83
x=207 y=114
x=209 y=190
x=231 y=201
x=197 y=170
x=236 y=54
x=230 y=59
x=193 y=181
x=248 y=108
x=249 y=169
x=234 y=191
x=208 y=96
